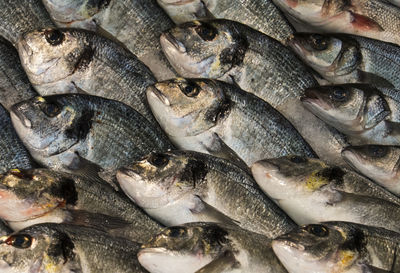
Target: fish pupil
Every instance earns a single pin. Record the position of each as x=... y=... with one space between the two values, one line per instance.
x=339 y=94
x=378 y=151
x=54 y=37
x=318 y=230
x=318 y=42
x=158 y=160
x=176 y=232
x=191 y=91
x=206 y=32
x=51 y=109
x=297 y=159
x=20 y=241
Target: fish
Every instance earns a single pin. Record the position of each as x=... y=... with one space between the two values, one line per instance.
x=220 y=119
x=342 y=58
x=50 y=248
x=60 y=61
x=14 y=84
x=378 y=162
x=208 y=247
x=310 y=191
x=179 y=187
x=376 y=19
x=364 y=113
x=4 y=229
x=339 y=247
x=12 y=151
x=22 y=16
x=394 y=2
x=44 y=196
x=85 y=134
x=135 y=24
x=261 y=15
x=235 y=53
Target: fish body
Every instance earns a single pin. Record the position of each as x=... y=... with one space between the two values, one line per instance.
x=311 y=192
x=220 y=119
x=261 y=15
x=42 y=196
x=180 y=187
x=258 y=64
x=73 y=131
x=14 y=84
x=79 y=61
x=366 y=114
x=52 y=248
x=202 y=247
x=136 y=24
x=376 y=19
x=13 y=153
x=341 y=58
x=339 y=247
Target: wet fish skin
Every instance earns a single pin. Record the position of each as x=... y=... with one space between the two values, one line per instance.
x=79 y=61
x=366 y=114
x=227 y=248
x=42 y=195
x=65 y=132
x=261 y=15
x=4 y=229
x=15 y=85
x=378 y=162
x=13 y=153
x=137 y=24
x=342 y=58
x=65 y=248
x=370 y=18
x=232 y=52
x=310 y=191
x=339 y=247
x=22 y=16
x=218 y=118
x=181 y=186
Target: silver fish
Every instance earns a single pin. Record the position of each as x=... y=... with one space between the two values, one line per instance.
x=339 y=247
x=137 y=24
x=218 y=118
x=342 y=58
x=209 y=247
x=79 y=61
x=261 y=15
x=180 y=187
x=310 y=191
x=232 y=52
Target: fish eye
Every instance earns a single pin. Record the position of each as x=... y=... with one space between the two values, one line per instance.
x=21 y=174
x=176 y=232
x=318 y=42
x=19 y=241
x=50 y=109
x=206 y=32
x=191 y=90
x=158 y=160
x=317 y=230
x=54 y=37
x=377 y=151
x=339 y=94
x=297 y=159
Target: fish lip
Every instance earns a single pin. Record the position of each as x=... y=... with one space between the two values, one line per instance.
x=170 y=39
x=17 y=114
x=179 y=2
x=156 y=92
x=286 y=241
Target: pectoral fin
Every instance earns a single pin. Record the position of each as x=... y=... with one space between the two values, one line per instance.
x=223 y=263
x=374 y=79
x=96 y=220
x=204 y=12
x=364 y=23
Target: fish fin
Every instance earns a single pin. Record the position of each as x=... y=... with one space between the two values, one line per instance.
x=374 y=79
x=79 y=90
x=234 y=82
x=96 y=220
x=204 y=12
x=372 y=269
x=206 y=211
x=224 y=262
x=364 y=23
x=219 y=148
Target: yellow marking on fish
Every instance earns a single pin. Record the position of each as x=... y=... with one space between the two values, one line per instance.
x=73 y=113
x=345 y=259
x=50 y=266
x=3 y=239
x=207 y=247
x=197 y=23
x=215 y=66
x=315 y=181
x=15 y=170
x=41 y=99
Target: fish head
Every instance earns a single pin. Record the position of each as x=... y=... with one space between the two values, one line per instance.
x=328 y=55
x=192 y=246
x=36 y=249
x=182 y=11
x=341 y=106
x=381 y=163
x=27 y=194
x=204 y=49
x=160 y=178
x=316 y=248
x=51 y=55
x=305 y=10
x=46 y=124
x=187 y=107
x=294 y=177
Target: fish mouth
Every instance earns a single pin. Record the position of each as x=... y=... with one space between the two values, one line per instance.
x=285 y=241
x=16 y=115
x=155 y=92
x=177 y=3
x=313 y=100
x=168 y=40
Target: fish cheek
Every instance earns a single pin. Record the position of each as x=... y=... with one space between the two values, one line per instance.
x=59 y=252
x=234 y=55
